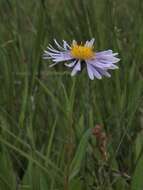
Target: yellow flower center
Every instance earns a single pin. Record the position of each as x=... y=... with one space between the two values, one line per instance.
x=82 y=52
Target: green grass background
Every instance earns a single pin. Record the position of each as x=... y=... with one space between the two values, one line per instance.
x=47 y=116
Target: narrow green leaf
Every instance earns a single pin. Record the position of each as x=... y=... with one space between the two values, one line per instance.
x=80 y=154
x=137 y=179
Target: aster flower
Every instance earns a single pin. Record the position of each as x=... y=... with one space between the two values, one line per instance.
x=97 y=63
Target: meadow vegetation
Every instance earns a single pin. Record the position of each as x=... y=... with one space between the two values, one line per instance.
x=59 y=132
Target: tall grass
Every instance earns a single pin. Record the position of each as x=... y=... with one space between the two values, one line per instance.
x=47 y=118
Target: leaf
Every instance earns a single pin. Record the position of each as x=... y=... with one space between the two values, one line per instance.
x=7 y=176
x=76 y=184
x=137 y=181
x=80 y=154
x=138 y=145
x=80 y=127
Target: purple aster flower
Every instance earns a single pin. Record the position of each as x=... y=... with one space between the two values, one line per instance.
x=97 y=63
